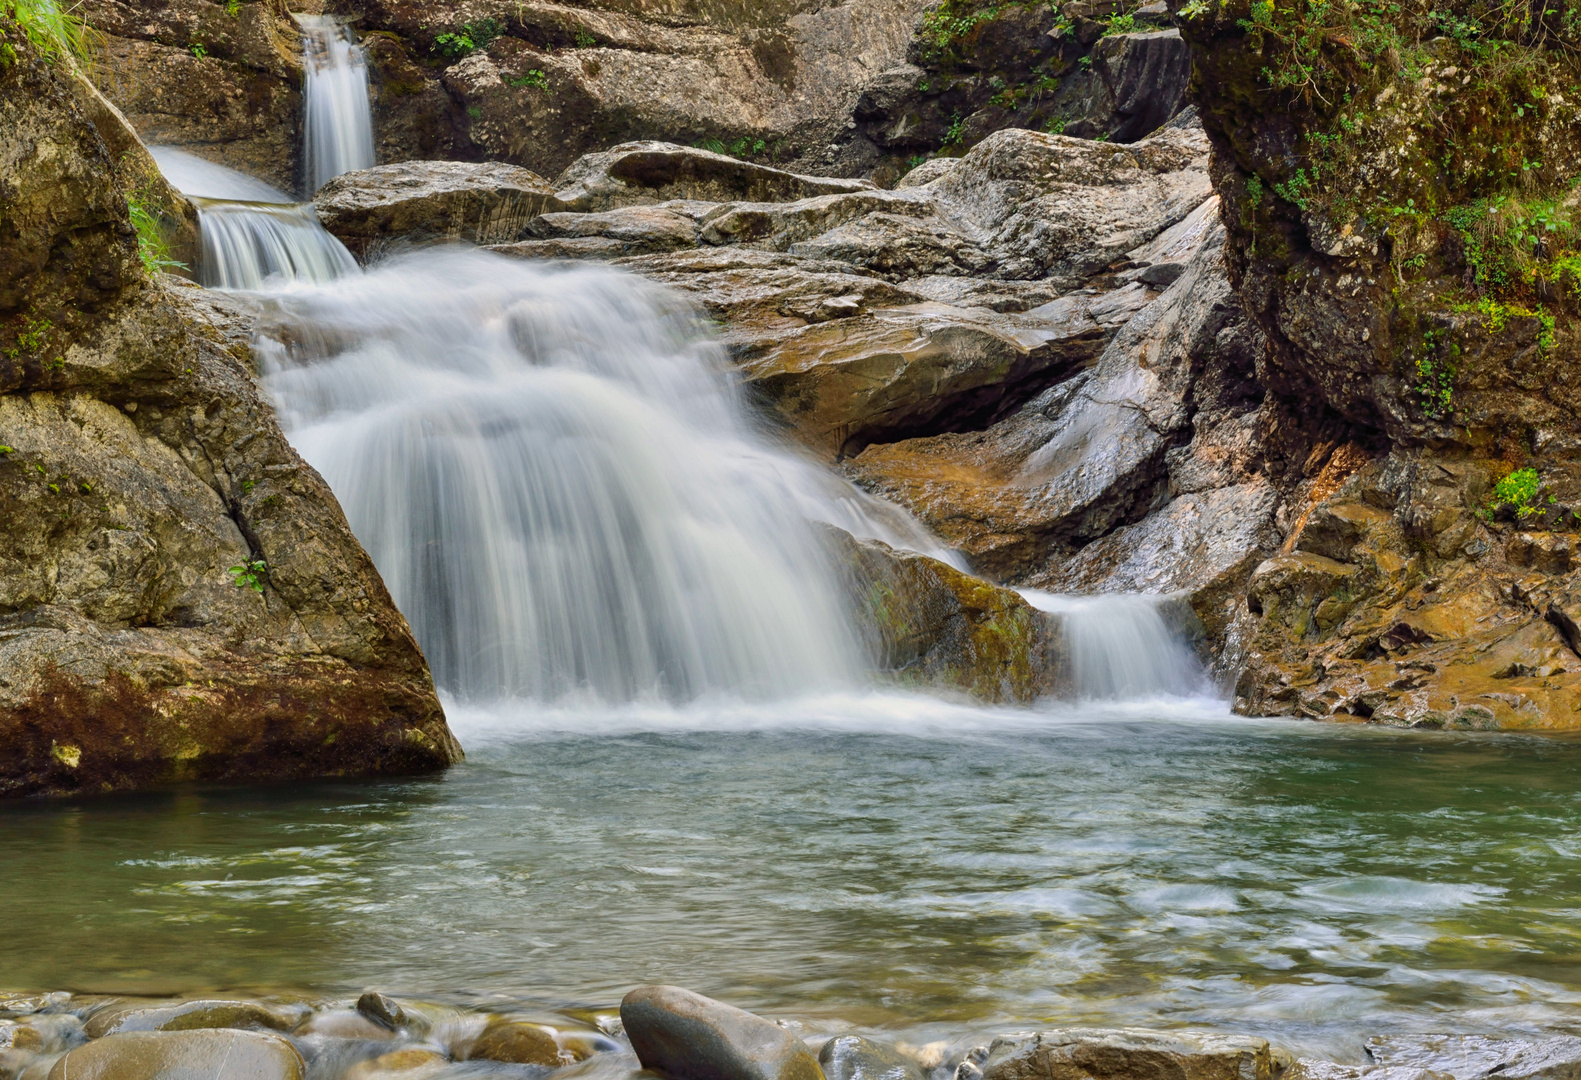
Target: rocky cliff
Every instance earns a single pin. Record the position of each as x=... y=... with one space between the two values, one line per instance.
x=1399 y=197
x=180 y=596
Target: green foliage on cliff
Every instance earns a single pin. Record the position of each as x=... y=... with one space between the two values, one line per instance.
x=53 y=31
x=468 y=38
x=153 y=246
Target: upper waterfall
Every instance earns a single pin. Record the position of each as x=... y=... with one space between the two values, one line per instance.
x=337 y=127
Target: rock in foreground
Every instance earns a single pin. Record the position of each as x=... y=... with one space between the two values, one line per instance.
x=685 y=1036
x=161 y=1055
x=1100 y=1054
x=182 y=598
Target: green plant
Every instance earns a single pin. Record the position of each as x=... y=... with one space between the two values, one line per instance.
x=533 y=78
x=1055 y=126
x=250 y=575
x=584 y=40
x=1254 y=190
x=1120 y=24
x=951 y=24
x=1085 y=61
x=197 y=50
x=955 y=132
x=468 y=38
x=233 y=8
x=153 y=247
x=747 y=146
x=54 y=32
x=1435 y=375
x=4 y=450
x=1519 y=490
x=474 y=112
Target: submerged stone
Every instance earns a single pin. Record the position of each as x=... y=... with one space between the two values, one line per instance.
x=517 y=1043
x=686 y=1036
x=851 y=1057
x=188 y=1016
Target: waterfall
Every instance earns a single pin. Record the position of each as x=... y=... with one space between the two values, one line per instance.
x=253 y=235
x=337 y=129
x=561 y=491
x=1120 y=647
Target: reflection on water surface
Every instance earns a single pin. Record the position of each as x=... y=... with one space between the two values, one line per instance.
x=881 y=862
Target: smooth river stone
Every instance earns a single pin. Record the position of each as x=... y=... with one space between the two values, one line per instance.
x=408 y=1064
x=187 y=1016
x=516 y=1043
x=851 y=1057
x=211 y=1054
x=685 y=1036
x=1128 y=1054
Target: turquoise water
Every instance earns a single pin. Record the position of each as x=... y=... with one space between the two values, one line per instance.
x=870 y=862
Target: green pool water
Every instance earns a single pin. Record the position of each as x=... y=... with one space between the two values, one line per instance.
x=868 y=862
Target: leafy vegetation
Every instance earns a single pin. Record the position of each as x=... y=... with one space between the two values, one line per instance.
x=468 y=38
x=55 y=32
x=532 y=78
x=250 y=575
x=153 y=246
x=1518 y=490
x=744 y=147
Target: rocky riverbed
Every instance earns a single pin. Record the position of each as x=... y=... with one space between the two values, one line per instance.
x=665 y=1031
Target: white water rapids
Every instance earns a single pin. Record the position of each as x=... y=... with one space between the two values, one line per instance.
x=559 y=487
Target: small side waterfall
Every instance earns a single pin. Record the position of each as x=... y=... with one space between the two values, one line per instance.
x=1120 y=646
x=562 y=494
x=337 y=130
x=253 y=235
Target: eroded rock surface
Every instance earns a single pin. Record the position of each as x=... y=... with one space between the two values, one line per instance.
x=1095 y=1053
x=685 y=1036
x=182 y=598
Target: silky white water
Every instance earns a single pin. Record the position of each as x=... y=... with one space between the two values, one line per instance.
x=559 y=487
x=1120 y=646
x=252 y=234
x=337 y=126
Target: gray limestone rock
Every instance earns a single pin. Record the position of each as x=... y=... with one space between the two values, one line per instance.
x=686 y=1036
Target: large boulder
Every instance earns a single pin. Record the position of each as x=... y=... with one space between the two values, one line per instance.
x=930 y=625
x=842 y=384
x=1083 y=458
x=183 y=599
x=160 y=1055
x=1133 y=85
x=425 y=201
x=685 y=1036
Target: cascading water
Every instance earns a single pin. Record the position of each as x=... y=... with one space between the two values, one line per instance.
x=337 y=130
x=252 y=233
x=1120 y=647
x=559 y=489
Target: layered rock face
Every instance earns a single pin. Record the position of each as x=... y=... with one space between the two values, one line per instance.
x=182 y=598
x=223 y=80
x=1406 y=253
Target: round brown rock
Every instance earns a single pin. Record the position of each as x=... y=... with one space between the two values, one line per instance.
x=183 y=1055
x=516 y=1043
x=686 y=1036
x=187 y=1016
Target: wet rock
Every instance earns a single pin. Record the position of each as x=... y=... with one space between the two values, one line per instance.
x=629 y=230
x=425 y=201
x=851 y=1057
x=927 y=624
x=1310 y=1069
x=645 y=173
x=408 y=1064
x=383 y=1010
x=516 y=1042
x=1084 y=457
x=151 y=1055
x=1467 y=1056
x=187 y=1016
x=13 y=1004
x=841 y=385
x=685 y=1036
x=344 y=1024
x=1099 y=1053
